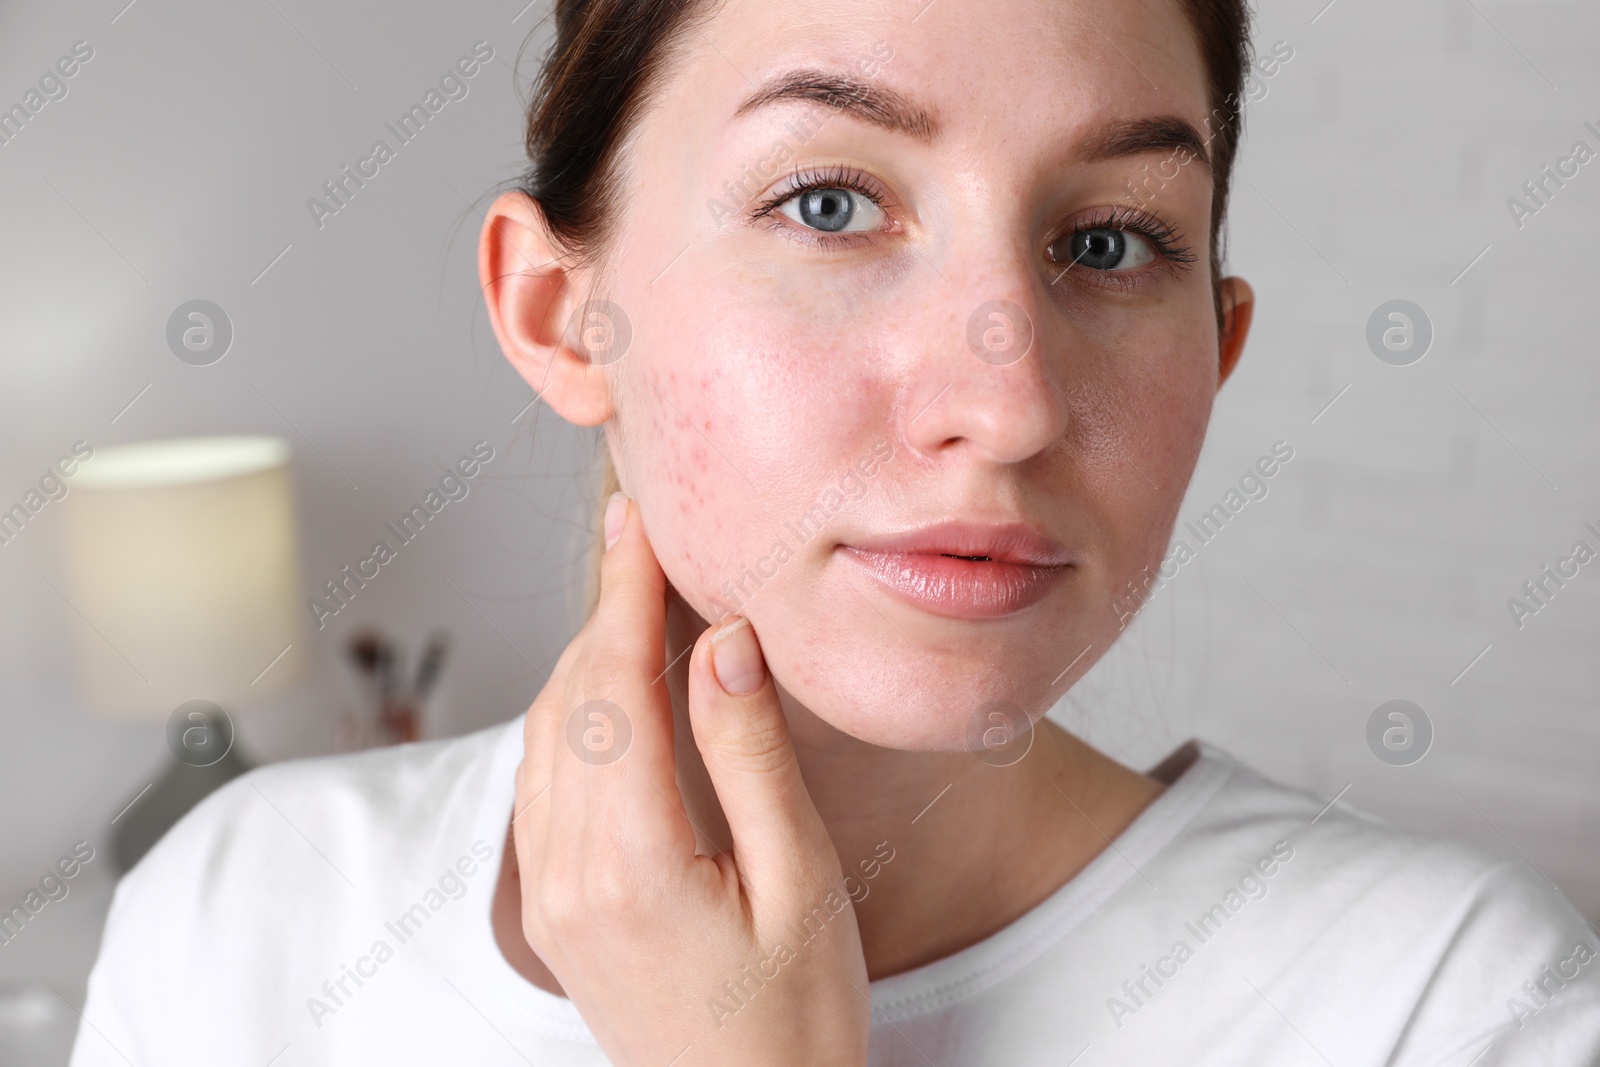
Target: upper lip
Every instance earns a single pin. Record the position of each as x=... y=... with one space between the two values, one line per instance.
x=1013 y=542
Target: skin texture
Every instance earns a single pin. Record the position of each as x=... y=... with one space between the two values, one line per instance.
x=764 y=365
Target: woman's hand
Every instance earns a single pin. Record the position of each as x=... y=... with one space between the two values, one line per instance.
x=672 y=957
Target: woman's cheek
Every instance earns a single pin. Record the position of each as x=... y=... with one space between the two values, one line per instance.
x=1138 y=433
x=715 y=445
x=673 y=472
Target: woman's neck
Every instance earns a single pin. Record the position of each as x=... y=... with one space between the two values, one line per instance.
x=940 y=849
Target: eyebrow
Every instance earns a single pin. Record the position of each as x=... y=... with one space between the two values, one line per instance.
x=872 y=103
x=1131 y=137
x=889 y=110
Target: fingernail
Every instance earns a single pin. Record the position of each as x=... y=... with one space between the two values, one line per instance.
x=736 y=658
x=616 y=517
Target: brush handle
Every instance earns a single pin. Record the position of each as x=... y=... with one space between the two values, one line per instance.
x=388 y=671
x=429 y=667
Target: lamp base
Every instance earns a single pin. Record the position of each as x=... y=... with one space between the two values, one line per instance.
x=180 y=787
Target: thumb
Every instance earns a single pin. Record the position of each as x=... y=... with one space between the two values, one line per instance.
x=778 y=836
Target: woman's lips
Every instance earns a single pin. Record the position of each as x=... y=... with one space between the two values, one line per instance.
x=956 y=587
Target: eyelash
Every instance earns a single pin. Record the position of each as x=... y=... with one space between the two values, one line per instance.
x=1162 y=237
x=799 y=182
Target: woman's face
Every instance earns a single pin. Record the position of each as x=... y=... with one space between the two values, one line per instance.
x=993 y=308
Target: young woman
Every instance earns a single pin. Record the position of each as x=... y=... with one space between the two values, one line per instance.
x=903 y=320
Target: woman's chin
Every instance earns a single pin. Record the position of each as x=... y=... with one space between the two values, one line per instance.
x=899 y=706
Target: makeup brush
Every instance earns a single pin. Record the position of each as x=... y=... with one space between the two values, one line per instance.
x=366 y=651
x=429 y=666
x=388 y=672
x=363 y=650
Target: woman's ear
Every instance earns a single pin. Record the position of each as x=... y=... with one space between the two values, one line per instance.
x=1238 y=305
x=531 y=295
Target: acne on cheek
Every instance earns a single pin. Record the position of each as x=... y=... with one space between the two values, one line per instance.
x=697 y=427
x=679 y=475
x=680 y=425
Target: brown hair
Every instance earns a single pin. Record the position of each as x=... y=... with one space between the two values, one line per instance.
x=609 y=55
x=606 y=59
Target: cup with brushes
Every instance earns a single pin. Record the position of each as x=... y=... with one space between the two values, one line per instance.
x=396 y=702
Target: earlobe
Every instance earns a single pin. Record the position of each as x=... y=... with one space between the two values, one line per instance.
x=531 y=292
x=1238 y=308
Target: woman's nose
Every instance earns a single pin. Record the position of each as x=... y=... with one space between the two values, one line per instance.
x=982 y=381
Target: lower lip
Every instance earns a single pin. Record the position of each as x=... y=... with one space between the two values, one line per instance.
x=959 y=588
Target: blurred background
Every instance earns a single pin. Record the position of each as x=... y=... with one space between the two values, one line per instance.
x=1441 y=458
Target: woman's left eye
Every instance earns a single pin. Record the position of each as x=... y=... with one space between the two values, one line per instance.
x=1104 y=248
x=833 y=210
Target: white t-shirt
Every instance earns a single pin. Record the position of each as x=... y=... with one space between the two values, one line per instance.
x=336 y=911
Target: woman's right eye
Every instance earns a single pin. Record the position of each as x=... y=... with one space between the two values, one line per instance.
x=833 y=210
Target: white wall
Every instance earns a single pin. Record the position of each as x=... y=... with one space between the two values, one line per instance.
x=1376 y=167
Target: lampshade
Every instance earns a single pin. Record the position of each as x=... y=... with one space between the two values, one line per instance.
x=185 y=574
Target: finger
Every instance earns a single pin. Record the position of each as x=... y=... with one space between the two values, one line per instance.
x=630 y=617
x=779 y=839
x=614 y=778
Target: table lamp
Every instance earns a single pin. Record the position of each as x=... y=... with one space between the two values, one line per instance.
x=185 y=578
